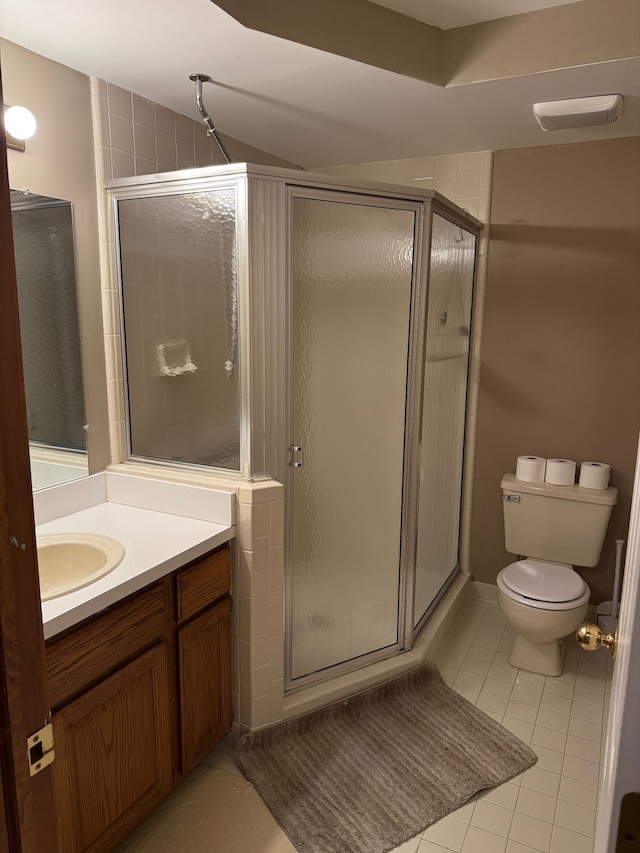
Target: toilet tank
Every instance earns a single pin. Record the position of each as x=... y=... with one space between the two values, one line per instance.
x=562 y=524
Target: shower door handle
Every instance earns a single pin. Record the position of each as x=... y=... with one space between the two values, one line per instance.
x=296 y=456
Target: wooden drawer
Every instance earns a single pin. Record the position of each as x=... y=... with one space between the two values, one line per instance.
x=85 y=655
x=203 y=583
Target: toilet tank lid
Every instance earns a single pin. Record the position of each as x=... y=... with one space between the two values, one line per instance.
x=608 y=496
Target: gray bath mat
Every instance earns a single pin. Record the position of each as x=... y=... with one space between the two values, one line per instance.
x=366 y=774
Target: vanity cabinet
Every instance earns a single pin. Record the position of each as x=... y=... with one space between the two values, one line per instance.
x=140 y=693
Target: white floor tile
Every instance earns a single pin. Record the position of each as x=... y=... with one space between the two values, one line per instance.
x=580 y=748
x=549 y=759
x=530 y=679
x=585 y=729
x=578 y=792
x=516 y=847
x=528 y=695
x=497 y=687
x=430 y=847
x=559 y=688
x=480 y=841
x=492 y=817
x=519 y=728
x=529 y=830
x=552 y=702
x=578 y=768
x=553 y=720
x=584 y=711
x=576 y=818
x=541 y=780
x=521 y=711
x=536 y=804
x=565 y=841
x=504 y=795
x=448 y=832
x=549 y=738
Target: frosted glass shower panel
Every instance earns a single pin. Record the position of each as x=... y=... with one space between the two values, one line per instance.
x=352 y=281
x=443 y=409
x=180 y=302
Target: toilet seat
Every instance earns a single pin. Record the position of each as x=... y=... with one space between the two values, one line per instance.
x=545 y=586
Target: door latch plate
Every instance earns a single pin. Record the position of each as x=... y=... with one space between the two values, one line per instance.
x=40 y=751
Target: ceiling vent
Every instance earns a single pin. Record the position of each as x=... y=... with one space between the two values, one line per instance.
x=579 y=112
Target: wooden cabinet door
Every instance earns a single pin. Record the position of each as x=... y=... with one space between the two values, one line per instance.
x=113 y=754
x=204 y=650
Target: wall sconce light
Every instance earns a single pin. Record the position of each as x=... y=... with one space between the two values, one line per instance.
x=19 y=124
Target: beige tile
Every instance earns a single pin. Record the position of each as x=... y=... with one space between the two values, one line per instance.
x=187 y=821
x=470 y=164
x=579 y=768
x=541 y=780
x=559 y=704
x=446 y=165
x=576 y=818
x=165 y=121
x=448 y=832
x=143 y=166
x=122 y=164
x=144 y=141
x=185 y=154
x=166 y=149
x=531 y=831
x=536 y=804
x=585 y=729
x=144 y=112
x=479 y=840
x=277 y=522
x=580 y=748
x=446 y=186
x=120 y=101
x=565 y=841
x=549 y=738
x=468 y=186
x=552 y=720
x=184 y=128
x=121 y=133
x=492 y=817
x=549 y=759
x=578 y=792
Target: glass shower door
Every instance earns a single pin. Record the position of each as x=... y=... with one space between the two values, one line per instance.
x=451 y=277
x=350 y=332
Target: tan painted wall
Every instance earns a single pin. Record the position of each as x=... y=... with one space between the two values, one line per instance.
x=561 y=348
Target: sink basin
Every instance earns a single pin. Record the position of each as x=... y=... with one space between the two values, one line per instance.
x=69 y=561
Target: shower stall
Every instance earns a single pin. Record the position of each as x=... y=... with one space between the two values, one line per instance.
x=293 y=326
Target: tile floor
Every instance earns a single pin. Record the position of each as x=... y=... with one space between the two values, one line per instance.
x=550 y=808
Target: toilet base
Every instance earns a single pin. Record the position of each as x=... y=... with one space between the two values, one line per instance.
x=543 y=658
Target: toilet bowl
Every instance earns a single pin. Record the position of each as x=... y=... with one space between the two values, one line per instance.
x=543 y=602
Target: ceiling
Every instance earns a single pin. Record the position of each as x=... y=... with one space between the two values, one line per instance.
x=460 y=13
x=309 y=106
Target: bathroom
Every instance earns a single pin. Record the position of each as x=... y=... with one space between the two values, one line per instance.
x=571 y=399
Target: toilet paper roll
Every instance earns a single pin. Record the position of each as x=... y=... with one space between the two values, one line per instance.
x=560 y=472
x=530 y=469
x=594 y=475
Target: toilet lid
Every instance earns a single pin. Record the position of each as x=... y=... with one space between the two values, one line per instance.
x=543 y=581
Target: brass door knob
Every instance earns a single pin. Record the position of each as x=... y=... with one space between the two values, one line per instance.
x=590 y=638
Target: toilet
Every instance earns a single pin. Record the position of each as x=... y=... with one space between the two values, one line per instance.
x=551 y=529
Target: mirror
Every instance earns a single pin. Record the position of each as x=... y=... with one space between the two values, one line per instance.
x=46 y=278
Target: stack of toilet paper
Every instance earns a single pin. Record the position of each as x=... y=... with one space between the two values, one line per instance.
x=562 y=472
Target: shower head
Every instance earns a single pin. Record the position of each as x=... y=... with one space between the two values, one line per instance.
x=199 y=79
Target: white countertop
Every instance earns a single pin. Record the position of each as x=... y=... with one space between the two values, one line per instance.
x=156 y=544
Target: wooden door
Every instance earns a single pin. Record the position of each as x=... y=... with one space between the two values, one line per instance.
x=204 y=655
x=29 y=822
x=113 y=754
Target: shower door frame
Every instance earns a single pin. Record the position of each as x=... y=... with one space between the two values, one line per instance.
x=414 y=373
x=183 y=183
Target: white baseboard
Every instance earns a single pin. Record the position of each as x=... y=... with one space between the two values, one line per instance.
x=484 y=591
